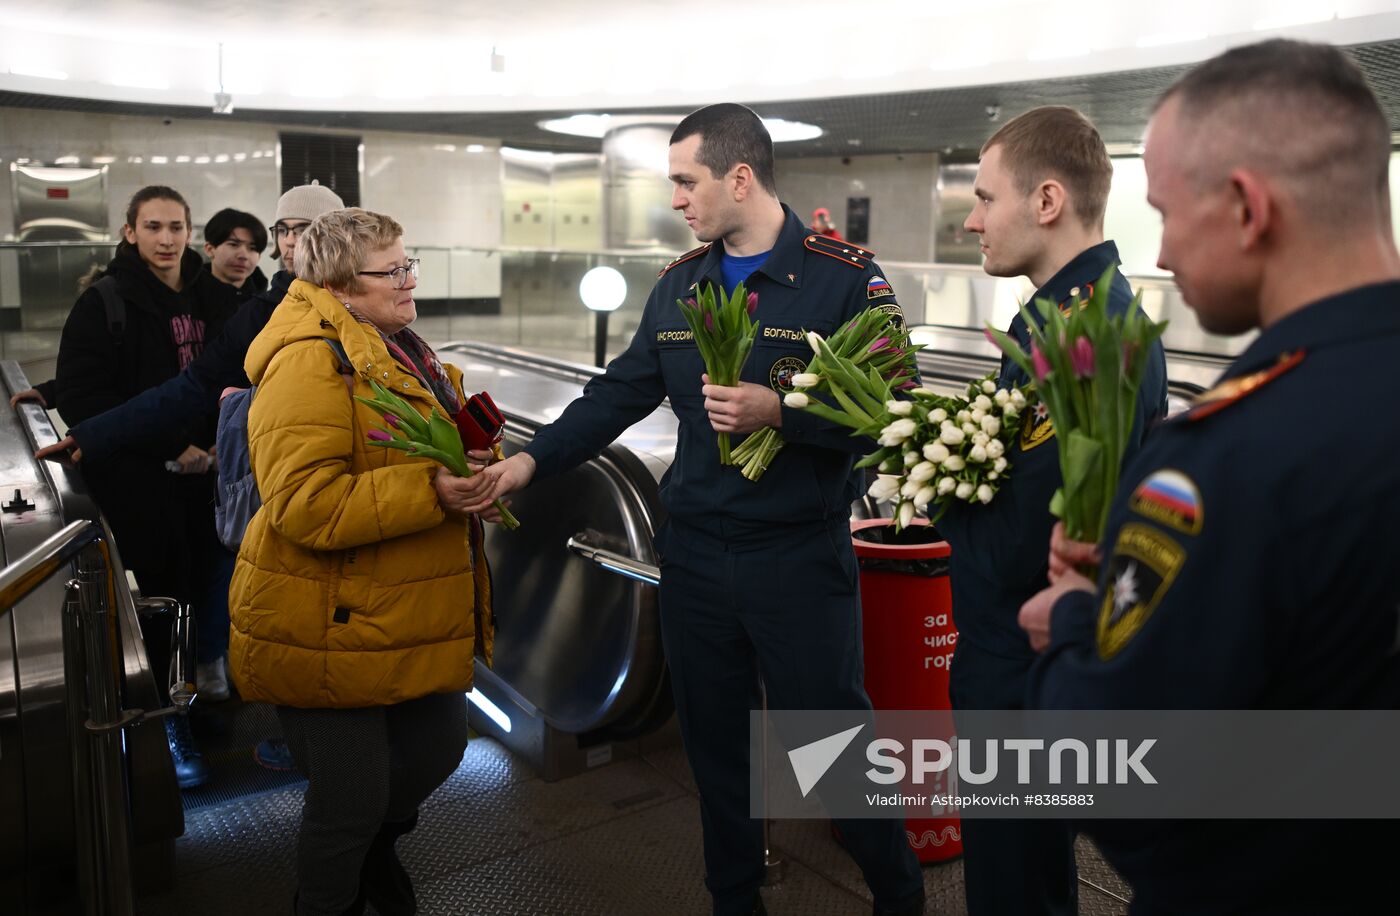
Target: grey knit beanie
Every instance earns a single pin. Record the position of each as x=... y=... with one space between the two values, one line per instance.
x=307 y=201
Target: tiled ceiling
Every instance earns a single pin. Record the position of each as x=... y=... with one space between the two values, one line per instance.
x=941 y=119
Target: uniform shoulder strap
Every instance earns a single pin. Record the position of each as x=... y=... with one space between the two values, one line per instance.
x=114 y=305
x=689 y=255
x=845 y=252
x=1235 y=389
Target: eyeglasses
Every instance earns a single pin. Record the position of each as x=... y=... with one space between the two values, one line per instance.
x=282 y=230
x=399 y=275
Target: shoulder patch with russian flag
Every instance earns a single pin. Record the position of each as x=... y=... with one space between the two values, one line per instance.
x=1171 y=498
x=877 y=288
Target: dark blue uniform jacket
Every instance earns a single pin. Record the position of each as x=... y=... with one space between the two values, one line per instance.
x=1251 y=558
x=1000 y=550
x=799 y=289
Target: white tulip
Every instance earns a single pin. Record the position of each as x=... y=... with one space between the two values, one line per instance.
x=936 y=452
x=899 y=429
x=909 y=489
x=964 y=490
x=999 y=464
x=969 y=429
x=923 y=498
x=983 y=402
x=951 y=435
x=889 y=465
x=812 y=340
x=991 y=425
x=900 y=408
x=989 y=386
x=1001 y=397
x=984 y=494
x=995 y=449
x=977 y=455
x=911 y=459
x=946 y=485
x=921 y=392
x=954 y=463
x=795 y=399
x=1018 y=398
x=923 y=471
x=963 y=417
x=981 y=439
x=992 y=475
x=906 y=514
x=806 y=380
x=939 y=415
x=1008 y=416
x=885 y=487
x=977 y=416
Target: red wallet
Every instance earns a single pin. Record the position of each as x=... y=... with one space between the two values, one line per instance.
x=480 y=422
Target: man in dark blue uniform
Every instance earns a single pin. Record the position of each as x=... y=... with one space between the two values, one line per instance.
x=1042 y=186
x=1250 y=555
x=758 y=578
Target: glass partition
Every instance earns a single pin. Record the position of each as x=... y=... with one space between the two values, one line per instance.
x=528 y=298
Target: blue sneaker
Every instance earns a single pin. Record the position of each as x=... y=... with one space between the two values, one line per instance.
x=273 y=754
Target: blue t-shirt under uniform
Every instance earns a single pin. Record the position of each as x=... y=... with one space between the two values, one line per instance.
x=736 y=270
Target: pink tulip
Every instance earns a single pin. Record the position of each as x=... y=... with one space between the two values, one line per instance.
x=1129 y=352
x=907 y=385
x=753 y=303
x=1042 y=365
x=1081 y=357
x=379 y=435
x=879 y=344
x=691 y=302
x=709 y=321
x=987 y=333
x=392 y=420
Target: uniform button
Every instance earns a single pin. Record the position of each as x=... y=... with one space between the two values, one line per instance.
x=386 y=375
x=405 y=384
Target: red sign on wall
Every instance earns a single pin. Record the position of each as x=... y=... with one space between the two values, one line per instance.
x=57 y=193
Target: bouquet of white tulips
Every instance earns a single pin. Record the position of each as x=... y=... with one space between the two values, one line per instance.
x=858 y=368
x=937 y=450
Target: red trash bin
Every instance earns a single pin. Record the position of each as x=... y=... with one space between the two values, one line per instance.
x=907 y=607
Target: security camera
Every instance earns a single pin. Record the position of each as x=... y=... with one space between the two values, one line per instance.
x=223 y=103
x=993 y=111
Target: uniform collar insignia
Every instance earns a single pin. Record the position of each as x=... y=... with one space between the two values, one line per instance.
x=1232 y=390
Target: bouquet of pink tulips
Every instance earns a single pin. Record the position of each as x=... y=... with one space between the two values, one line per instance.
x=1087 y=366
x=436 y=437
x=724 y=330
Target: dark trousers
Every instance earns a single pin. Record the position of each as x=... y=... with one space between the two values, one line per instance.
x=364 y=767
x=789 y=611
x=1010 y=867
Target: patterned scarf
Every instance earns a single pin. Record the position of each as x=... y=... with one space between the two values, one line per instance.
x=414 y=353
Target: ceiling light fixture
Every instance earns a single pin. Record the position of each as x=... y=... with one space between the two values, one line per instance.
x=596 y=125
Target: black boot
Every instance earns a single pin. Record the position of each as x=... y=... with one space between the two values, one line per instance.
x=356 y=909
x=913 y=906
x=190 y=768
x=383 y=878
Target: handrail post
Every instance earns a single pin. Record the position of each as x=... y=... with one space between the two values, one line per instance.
x=98 y=625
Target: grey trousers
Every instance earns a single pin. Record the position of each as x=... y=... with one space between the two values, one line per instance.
x=364 y=767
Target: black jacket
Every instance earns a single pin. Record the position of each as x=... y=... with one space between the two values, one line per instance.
x=193 y=395
x=98 y=370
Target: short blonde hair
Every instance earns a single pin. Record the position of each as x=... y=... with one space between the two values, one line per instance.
x=335 y=247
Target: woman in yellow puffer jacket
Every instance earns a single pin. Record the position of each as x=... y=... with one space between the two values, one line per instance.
x=361 y=596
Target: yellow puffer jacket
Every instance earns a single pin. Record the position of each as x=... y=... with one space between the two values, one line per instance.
x=352 y=587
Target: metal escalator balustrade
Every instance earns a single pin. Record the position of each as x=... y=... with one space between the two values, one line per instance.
x=89 y=806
